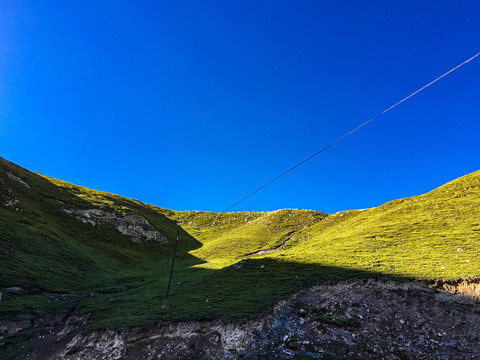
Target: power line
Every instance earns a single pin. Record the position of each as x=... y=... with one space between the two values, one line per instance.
x=351 y=132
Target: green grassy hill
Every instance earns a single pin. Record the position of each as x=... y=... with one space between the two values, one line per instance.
x=228 y=237
x=74 y=249
x=47 y=249
x=431 y=235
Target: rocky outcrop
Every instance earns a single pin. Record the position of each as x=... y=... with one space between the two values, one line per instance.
x=108 y=342
x=17 y=179
x=7 y=199
x=469 y=288
x=11 y=203
x=136 y=227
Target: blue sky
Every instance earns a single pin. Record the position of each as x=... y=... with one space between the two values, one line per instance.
x=191 y=105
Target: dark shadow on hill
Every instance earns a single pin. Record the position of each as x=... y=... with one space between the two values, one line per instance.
x=45 y=249
x=250 y=286
x=240 y=291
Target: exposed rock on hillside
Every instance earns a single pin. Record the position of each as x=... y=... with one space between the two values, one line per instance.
x=7 y=198
x=359 y=319
x=10 y=202
x=17 y=179
x=134 y=226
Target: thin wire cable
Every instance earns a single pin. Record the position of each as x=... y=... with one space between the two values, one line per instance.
x=351 y=132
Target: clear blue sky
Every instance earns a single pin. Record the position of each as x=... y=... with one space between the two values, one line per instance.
x=191 y=105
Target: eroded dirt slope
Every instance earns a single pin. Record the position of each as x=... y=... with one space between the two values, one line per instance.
x=361 y=319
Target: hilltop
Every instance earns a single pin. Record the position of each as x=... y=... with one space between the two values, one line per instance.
x=69 y=251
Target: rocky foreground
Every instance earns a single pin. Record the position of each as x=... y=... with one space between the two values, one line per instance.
x=361 y=319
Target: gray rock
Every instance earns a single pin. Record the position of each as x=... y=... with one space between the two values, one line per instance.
x=451 y=344
x=15 y=288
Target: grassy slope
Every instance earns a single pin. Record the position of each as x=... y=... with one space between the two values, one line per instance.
x=228 y=237
x=45 y=249
x=431 y=235
x=59 y=260
x=48 y=252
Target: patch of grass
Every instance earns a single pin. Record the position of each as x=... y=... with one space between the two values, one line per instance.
x=402 y=354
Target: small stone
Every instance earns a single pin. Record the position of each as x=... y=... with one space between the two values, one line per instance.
x=451 y=344
x=302 y=312
x=15 y=288
x=453 y=313
x=351 y=314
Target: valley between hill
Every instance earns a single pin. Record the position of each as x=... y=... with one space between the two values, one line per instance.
x=68 y=252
